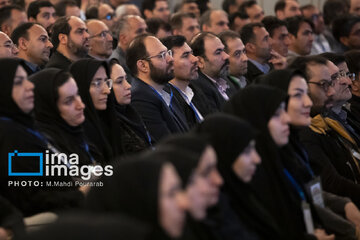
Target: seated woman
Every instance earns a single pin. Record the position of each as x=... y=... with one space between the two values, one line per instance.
x=245 y=217
x=146 y=189
x=264 y=107
x=135 y=136
x=59 y=114
x=17 y=133
x=101 y=127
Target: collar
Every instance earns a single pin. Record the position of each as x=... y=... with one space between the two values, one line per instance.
x=265 y=68
x=34 y=67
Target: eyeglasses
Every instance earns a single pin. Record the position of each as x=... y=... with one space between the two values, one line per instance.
x=161 y=55
x=103 y=34
x=99 y=83
x=109 y=16
x=325 y=85
x=347 y=74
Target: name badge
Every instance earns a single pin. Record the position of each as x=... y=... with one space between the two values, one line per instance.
x=309 y=224
x=314 y=190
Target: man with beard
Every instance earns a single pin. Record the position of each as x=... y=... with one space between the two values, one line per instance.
x=258 y=49
x=100 y=40
x=152 y=65
x=238 y=60
x=213 y=70
x=329 y=152
x=43 y=13
x=185 y=71
x=70 y=38
x=34 y=46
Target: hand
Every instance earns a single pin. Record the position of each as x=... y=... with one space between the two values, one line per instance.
x=278 y=61
x=5 y=234
x=352 y=213
x=320 y=234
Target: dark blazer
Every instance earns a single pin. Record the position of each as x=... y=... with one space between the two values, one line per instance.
x=214 y=99
x=159 y=119
x=253 y=72
x=57 y=60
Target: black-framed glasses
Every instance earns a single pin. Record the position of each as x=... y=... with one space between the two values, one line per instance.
x=103 y=34
x=98 y=83
x=161 y=55
x=325 y=85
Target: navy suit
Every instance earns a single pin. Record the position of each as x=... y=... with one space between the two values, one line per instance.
x=160 y=119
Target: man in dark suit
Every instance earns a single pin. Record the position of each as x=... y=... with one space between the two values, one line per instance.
x=152 y=64
x=213 y=70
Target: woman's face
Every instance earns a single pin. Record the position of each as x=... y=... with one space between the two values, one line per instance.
x=122 y=88
x=299 y=102
x=172 y=201
x=69 y=103
x=245 y=164
x=278 y=126
x=203 y=190
x=23 y=91
x=100 y=89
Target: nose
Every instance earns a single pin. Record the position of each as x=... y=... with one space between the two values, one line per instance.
x=225 y=55
x=331 y=92
x=105 y=89
x=287 y=41
x=14 y=50
x=256 y=157
x=29 y=85
x=244 y=57
x=52 y=20
x=109 y=37
x=169 y=58
x=49 y=44
x=79 y=103
x=182 y=201
x=194 y=59
x=216 y=178
x=86 y=34
x=127 y=85
x=307 y=101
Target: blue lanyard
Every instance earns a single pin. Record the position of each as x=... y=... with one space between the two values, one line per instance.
x=86 y=147
x=159 y=95
x=295 y=184
x=190 y=103
x=306 y=162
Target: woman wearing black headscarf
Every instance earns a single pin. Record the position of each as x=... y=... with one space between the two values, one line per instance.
x=146 y=189
x=264 y=107
x=17 y=133
x=237 y=160
x=59 y=114
x=135 y=136
x=100 y=124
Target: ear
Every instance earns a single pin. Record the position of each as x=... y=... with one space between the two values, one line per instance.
x=148 y=14
x=22 y=44
x=142 y=66
x=344 y=40
x=201 y=62
x=123 y=39
x=250 y=47
x=63 y=39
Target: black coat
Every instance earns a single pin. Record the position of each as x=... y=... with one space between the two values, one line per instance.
x=58 y=60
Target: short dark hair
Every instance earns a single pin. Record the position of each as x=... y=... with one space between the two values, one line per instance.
x=34 y=8
x=155 y=24
x=294 y=23
x=61 y=25
x=335 y=58
x=176 y=21
x=21 y=32
x=205 y=18
x=136 y=52
x=92 y=12
x=271 y=23
x=302 y=63
x=333 y=9
x=247 y=32
x=174 y=41
x=245 y=5
x=148 y=5
x=280 y=5
x=62 y=5
x=198 y=43
x=227 y=3
x=307 y=7
x=352 y=58
x=235 y=15
x=226 y=35
x=5 y=13
x=342 y=26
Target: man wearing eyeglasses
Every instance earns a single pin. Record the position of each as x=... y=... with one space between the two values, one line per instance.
x=152 y=65
x=107 y=15
x=100 y=40
x=328 y=152
x=7 y=47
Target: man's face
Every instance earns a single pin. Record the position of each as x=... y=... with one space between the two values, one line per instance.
x=161 y=69
x=100 y=39
x=161 y=10
x=303 y=42
x=237 y=57
x=239 y=23
x=7 y=47
x=280 y=40
x=137 y=26
x=316 y=17
x=106 y=15
x=291 y=9
x=72 y=11
x=219 y=22
x=190 y=27
x=216 y=61
x=17 y=18
x=46 y=17
x=255 y=13
x=4 y=3
x=185 y=63
x=191 y=7
x=320 y=95
x=355 y=7
x=38 y=46
x=262 y=43
x=342 y=85
x=78 y=39
x=353 y=41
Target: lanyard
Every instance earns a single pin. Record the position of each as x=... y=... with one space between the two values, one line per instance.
x=305 y=161
x=190 y=103
x=159 y=95
x=295 y=184
x=86 y=147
